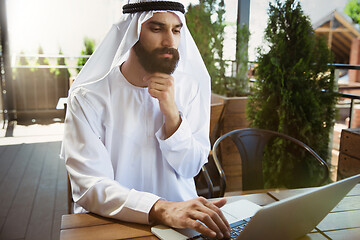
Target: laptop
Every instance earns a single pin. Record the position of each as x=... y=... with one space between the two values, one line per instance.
x=289 y=218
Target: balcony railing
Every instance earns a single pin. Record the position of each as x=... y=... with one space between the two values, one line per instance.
x=350 y=102
x=352 y=98
x=36 y=89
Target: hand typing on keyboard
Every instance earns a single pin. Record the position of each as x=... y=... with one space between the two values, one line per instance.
x=199 y=214
x=236 y=229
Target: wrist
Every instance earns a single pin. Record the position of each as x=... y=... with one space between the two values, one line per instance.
x=172 y=123
x=157 y=211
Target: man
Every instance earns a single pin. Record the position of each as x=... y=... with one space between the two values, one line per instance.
x=137 y=124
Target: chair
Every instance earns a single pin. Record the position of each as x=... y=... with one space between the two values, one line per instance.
x=216 y=121
x=211 y=179
x=251 y=144
x=208 y=180
x=70 y=200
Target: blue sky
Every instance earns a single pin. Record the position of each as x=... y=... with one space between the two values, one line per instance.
x=56 y=24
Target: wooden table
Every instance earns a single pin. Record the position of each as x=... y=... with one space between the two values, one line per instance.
x=343 y=222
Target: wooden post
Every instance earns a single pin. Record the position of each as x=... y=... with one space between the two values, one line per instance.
x=6 y=72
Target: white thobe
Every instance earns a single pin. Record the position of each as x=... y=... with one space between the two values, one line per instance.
x=117 y=158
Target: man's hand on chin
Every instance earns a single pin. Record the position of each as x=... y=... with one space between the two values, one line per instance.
x=161 y=87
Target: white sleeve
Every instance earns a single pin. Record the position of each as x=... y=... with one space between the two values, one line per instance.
x=188 y=148
x=91 y=173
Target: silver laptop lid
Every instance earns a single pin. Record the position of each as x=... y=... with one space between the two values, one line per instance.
x=296 y=216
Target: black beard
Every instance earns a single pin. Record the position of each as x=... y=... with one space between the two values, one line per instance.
x=152 y=63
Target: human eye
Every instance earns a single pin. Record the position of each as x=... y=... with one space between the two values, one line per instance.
x=155 y=29
x=177 y=30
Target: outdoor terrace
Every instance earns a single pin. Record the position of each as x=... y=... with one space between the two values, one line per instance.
x=33 y=183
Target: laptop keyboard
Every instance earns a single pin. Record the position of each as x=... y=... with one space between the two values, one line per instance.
x=236 y=229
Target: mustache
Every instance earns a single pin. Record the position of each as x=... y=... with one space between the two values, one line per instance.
x=168 y=50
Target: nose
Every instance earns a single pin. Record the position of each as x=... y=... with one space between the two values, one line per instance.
x=168 y=39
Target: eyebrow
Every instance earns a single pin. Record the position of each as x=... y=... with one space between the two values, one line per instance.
x=161 y=24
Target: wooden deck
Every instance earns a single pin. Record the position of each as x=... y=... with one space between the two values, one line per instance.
x=33 y=182
x=33 y=188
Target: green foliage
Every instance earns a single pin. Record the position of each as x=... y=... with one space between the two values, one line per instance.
x=44 y=79
x=206 y=23
x=89 y=47
x=23 y=61
x=352 y=9
x=62 y=75
x=22 y=81
x=42 y=60
x=288 y=95
x=40 y=88
x=208 y=33
x=219 y=82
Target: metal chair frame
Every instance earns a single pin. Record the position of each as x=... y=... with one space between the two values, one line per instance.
x=251 y=157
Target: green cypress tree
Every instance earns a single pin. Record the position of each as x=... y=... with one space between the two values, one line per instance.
x=289 y=94
x=198 y=20
x=208 y=33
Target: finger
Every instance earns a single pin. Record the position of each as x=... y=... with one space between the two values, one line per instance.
x=158 y=86
x=219 y=218
x=162 y=81
x=206 y=219
x=161 y=91
x=160 y=95
x=154 y=93
x=216 y=215
x=157 y=76
x=199 y=227
x=220 y=202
